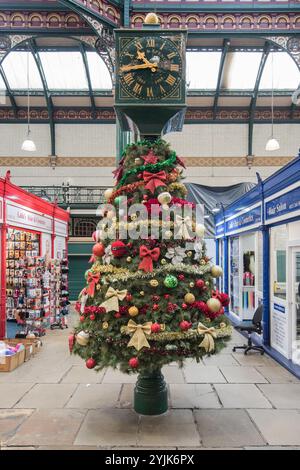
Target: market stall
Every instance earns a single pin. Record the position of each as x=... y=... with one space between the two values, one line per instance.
x=258 y=236
x=34 y=267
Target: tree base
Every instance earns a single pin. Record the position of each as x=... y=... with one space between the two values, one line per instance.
x=151 y=394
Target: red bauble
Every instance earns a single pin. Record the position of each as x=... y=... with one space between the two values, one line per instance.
x=200 y=283
x=133 y=362
x=180 y=277
x=82 y=318
x=92 y=316
x=145 y=197
x=167 y=296
x=224 y=299
x=155 y=327
x=129 y=297
x=155 y=298
x=98 y=250
x=185 y=325
x=90 y=363
x=117 y=315
x=205 y=288
x=184 y=306
x=155 y=307
x=72 y=339
x=118 y=249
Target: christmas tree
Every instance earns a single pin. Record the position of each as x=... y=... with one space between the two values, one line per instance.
x=150 y=297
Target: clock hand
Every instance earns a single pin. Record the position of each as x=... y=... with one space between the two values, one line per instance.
x=127 y=68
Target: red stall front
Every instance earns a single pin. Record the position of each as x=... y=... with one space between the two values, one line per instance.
x=34 y=278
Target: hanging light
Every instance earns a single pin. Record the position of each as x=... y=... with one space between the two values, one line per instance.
x=272 y=143
x=28 y=144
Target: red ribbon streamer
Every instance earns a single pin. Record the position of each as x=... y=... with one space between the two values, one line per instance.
x=153 y=180
x=148 y=257
x=92 y=280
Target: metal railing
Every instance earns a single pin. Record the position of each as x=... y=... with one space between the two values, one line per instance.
x=66 y=195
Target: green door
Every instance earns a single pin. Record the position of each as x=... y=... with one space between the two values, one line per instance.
x=78 y=265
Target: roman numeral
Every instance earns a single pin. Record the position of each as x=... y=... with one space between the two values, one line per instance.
x=162 y=90
x=151 y=42
x=163 y=45
x=137 y=89
x=128 y=78
x=171 y=80
x=171 y=55
x=139 y=45
x=150 y=93
x=174 y=68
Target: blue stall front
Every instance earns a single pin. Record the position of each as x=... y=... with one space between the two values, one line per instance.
x=258 y=246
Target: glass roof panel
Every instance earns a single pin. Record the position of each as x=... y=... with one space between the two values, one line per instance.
x=241 y=70
x=202 y=69
x=15 y=69
x=286 y=74
x=100 y=76
x=64 y=70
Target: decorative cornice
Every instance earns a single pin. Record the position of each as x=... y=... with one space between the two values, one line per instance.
x=58 y=21
x=194 y=115
x=110 y=162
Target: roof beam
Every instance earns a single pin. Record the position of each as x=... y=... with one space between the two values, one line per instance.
x=253 y=102
x=226 y=44
x=9 y=92
x=34 y=51
x=89 y=81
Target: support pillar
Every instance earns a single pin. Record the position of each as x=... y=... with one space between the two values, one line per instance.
x=266 y=286
x=123 y=139
x=151 y=394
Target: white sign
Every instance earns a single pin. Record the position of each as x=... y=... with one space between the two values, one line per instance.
x=279 y=328
x=46 y=245
x=61 y=228
x=59 y=247
x=24 y=218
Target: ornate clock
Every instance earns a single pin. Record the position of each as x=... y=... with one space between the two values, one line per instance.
x=150 y=76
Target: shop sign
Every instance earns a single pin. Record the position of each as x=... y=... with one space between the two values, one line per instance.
x=279 y=329
x=219 y=230
x=247 y=219
x=61 y=228
x=23 y=218
x=288 y=202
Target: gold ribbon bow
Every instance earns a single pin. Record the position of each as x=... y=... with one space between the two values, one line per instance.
x=138 y=339
x=113 y=296
x=209 y=334
x=183 y=226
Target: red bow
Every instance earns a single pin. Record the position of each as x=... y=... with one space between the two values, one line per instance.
x=153 y=180
x=180 y=162
x=148 y=257
x=92 y=280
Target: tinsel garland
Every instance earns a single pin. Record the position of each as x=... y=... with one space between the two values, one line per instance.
x=178 y=187
x=121 y=274
x=149 y=167
x=181 y=335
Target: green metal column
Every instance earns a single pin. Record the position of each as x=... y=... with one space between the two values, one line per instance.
x=123 y=138
x=151 y=394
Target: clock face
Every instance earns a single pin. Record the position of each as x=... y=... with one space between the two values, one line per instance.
x=150 y=68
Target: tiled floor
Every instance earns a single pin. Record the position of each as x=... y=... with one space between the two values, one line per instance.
x=227 y=401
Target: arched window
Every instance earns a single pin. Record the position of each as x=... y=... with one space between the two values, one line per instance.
x=84 y=227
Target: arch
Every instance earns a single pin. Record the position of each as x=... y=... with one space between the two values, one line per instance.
x=3 y=20
x=35 y=19
x=17 y=20
x=137 y=21
x=228 y=22
x=192 y=21
x=264 y=21
x=210 y=22
x=246 y=22
x=84 y=227
x=53 y=20
x=72 y=20
x=297 y=22
x=96 y=5
x=282 y=21
x=174 y=21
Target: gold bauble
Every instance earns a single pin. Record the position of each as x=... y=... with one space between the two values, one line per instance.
x=200 y=230
x=133 y=217
x=108 y=193
x=214 y=305
x=216 y=271
x=163 y=261
x=128 y=259
x=189 y=298
x=153 y=283
x=138 y=161
x=202 y=262
x=105 y=325
x=142 y=293
x=151 y=18
x=82 y=338
x=133 y=311
x=162 y=327
x=164 y=198
x=192 y=284
x=222 y=325
x=168 y=234
x=207 y=283
x=98 y=287
x=189 y=254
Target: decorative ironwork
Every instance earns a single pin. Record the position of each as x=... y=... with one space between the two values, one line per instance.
x=290 y=44
x=67 y=195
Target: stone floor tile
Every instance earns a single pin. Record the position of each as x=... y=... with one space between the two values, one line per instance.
x=47 y=396
x=126 y=397
x=49 y=427
x=175 y=428
x=193 y=396
x=242 y=375
x=10 y=420
x=109 y=427
x=11 y=393
x=115 y=376
x=254 y=359
x=283 y=396
x=278 y=427
x=173 y=375
x=220 y=360
x=277 y=374
x=203 y=374
x=241 y=396
x=70 y=447
x=227 y=428
x=95 y=396
x=80 y=374
x=4 y=447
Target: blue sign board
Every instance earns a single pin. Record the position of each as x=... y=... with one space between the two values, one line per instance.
x=288 y=202
x=244 y=220
x=279 y=308
x=219 y=230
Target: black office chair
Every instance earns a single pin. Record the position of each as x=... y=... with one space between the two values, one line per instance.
x=254 y=327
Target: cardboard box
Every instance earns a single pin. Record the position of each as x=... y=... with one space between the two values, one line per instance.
x=12 y=362
x=35 y=343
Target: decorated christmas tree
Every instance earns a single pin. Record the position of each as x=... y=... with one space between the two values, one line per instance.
x=150 y=297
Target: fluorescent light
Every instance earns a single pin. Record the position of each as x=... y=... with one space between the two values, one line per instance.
x=216 y=210
x=207 y=216
x=28 y=146
x=272 y=145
